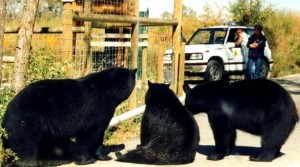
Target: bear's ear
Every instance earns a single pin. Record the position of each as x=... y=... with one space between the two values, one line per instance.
x=149 y=83
x=134 y=70
x=186 y=88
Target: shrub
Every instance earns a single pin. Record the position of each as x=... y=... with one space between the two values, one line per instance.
x=42 y=65
x=6 y=95
x=282 y=32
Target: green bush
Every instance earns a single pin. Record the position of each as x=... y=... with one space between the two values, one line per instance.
x=6 y=95
x=42 y=65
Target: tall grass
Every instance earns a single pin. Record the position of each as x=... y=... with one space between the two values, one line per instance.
x=283 y=35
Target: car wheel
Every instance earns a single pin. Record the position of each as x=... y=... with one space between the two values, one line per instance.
x=264 y=69
x=214 y=71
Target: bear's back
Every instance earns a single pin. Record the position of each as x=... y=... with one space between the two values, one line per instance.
x=169 y=118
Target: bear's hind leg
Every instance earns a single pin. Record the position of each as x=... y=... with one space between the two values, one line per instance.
x=138 y=155
x=265 y=156
x=272 y=139
x=25 y=148
x=271 y=144
x=268 y=152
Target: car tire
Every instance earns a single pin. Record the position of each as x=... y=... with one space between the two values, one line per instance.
x=264 y=69
x=214 y=71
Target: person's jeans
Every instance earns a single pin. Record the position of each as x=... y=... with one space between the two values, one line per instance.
x=250 y=63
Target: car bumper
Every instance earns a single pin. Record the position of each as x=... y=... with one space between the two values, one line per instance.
x=195 y=67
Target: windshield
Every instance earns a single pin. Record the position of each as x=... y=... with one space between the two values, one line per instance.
x=208 y=36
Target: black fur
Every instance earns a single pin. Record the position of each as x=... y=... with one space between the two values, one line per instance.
x=261 y=107
x=59 y=109
x=169 y=132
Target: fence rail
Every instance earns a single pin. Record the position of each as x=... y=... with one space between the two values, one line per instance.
x=90 y=41
x=132 y=113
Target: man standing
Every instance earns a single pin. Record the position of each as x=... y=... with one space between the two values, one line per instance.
x=242 y=41
x=256 y=44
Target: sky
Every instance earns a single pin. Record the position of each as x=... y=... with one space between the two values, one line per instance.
x=157 y=7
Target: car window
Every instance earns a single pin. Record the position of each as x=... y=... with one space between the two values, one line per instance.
x=232 y=36
x=219 y=37
x=208 y=36
x=249 y=31
x=200 y=37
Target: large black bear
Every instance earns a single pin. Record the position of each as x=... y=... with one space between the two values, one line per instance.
x=60 y=109
x=261 y=107
x=169 y=132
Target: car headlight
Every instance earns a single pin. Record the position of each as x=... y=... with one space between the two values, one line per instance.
x=196 y=56
x=167 y=57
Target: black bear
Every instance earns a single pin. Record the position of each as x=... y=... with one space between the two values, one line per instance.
x=260 y=107
x=169 y=132
x=59 y=109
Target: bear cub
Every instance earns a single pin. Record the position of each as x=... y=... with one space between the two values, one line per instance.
x=260 y=107
x=169 y=132
x=59 y=109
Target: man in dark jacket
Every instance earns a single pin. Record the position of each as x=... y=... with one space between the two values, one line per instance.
x=256 y=44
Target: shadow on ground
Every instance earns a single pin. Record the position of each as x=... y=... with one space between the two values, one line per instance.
x=238 y=150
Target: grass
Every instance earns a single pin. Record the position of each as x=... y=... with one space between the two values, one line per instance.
x=125 y=130
x=128 y=128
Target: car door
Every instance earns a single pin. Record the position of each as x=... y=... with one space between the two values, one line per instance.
x=236 y=61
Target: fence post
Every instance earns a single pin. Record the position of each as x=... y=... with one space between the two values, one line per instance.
x=134 y=50
x=2 y=30
x=160 y=64
x=176 y=43
x=67 y=24
x=120 y=49
x=181 y=70
x=87 y=59
x=144 y=68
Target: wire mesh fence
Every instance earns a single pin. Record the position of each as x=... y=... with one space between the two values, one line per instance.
x=107 y=7
x=109 y=46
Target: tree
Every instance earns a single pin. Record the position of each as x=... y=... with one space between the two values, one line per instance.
x=24 y=44
x=2 y=28
x=213 y=17
x=166 y=15
x=190 y=22
x=250 y=12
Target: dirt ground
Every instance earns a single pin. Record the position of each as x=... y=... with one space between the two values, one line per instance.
x=247 y=144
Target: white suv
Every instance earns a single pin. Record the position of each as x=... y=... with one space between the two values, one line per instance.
x=211 y=52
